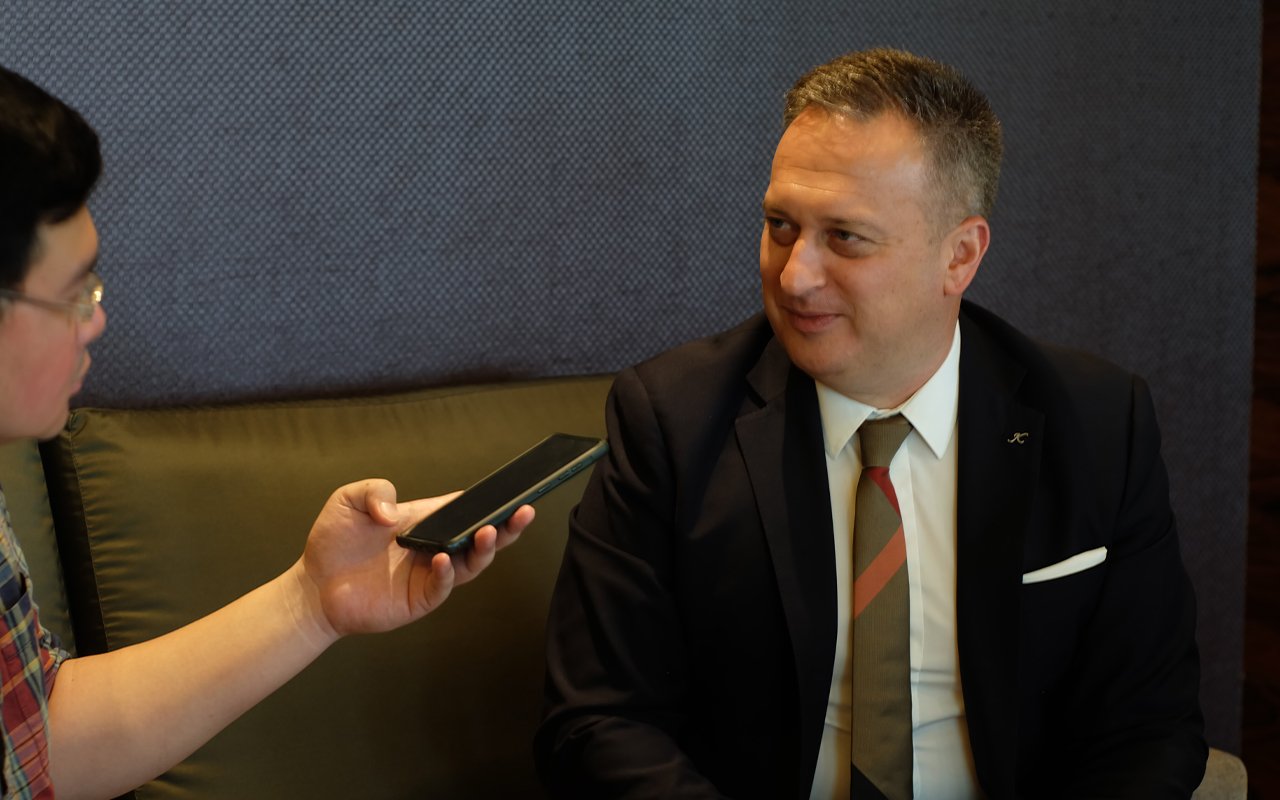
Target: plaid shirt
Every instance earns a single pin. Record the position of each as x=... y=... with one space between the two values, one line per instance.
x=29 y=660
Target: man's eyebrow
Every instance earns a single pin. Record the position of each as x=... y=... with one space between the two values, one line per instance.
x=776 y=209
x=849 y=222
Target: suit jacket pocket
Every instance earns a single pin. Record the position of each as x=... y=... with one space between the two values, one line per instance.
x=1070 y=566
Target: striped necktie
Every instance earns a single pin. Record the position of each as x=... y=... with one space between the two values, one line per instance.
x=881 y=735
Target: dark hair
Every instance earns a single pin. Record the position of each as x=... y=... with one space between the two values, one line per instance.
x=49 y=162
x=959 y=130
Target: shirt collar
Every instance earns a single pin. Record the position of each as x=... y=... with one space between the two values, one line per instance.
x=931 y=410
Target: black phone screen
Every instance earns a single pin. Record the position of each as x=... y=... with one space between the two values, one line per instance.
x=496 y=497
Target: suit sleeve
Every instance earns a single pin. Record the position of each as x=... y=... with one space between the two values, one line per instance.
x=1137 y=670
x=617 y=679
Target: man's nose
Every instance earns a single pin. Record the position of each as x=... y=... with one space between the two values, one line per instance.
x=803 y=271
x=93 y=328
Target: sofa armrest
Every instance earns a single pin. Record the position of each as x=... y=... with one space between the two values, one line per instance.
x=1224 y=778
x=22 y=477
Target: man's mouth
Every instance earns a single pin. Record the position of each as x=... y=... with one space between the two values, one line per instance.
x=809 y=321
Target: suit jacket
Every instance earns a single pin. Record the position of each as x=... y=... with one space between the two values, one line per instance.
x=691 y=636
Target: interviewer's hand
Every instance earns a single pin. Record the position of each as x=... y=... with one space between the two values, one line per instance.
x=357 y=579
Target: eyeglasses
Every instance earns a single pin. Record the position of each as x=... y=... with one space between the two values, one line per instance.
x=81 y=308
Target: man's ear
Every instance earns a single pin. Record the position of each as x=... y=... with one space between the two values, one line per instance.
x=964 y=248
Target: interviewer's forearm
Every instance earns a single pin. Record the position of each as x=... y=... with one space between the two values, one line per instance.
x=121 y=718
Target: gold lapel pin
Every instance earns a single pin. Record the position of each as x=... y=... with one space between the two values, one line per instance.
x=1019 y=438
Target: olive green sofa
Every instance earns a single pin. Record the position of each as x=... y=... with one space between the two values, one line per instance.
x=136 y=522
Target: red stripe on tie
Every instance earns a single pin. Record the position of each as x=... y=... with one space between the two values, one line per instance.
x=881 y=477
x=880 y=571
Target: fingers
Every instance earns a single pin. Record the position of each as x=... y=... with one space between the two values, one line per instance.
x=442 y=568
x=495 y=539
x=473 y=560
x=512 y=528
x=432 y=580
x=487 y=542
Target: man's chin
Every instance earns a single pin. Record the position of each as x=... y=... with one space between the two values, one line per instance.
x=55 y=427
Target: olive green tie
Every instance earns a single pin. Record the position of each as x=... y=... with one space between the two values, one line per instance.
x=881 y=711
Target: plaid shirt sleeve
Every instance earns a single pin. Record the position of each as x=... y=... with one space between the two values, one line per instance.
x=29 y=661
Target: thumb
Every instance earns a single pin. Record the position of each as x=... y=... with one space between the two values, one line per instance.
x=377 y=498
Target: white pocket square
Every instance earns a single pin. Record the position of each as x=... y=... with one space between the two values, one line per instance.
x=1077 y=563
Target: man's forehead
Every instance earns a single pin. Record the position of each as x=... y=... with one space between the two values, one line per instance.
x=819 y=134
x=833 y=159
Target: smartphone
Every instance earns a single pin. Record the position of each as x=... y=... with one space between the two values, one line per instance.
x=522 y=480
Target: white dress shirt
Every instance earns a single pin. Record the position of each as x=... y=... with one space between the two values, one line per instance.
x=923 y=473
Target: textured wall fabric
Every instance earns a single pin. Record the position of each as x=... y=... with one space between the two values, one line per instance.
x=311 y=198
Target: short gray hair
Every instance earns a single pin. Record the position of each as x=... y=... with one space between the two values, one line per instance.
x=960 y=131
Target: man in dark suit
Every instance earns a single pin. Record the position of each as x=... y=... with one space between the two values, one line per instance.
x=701 y=635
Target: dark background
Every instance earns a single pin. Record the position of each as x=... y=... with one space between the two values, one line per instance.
x=307 y=198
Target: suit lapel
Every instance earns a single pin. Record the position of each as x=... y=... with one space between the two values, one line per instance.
x=781 y=444
x=997 y=469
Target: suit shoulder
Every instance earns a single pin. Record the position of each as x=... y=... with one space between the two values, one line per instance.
x=1099 y=425
x=713 y=367
x=1049 y=371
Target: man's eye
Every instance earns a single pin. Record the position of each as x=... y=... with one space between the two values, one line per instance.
x=846 y=243
x=781 y=232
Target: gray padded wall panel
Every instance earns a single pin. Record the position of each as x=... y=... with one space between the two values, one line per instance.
x=310 y=198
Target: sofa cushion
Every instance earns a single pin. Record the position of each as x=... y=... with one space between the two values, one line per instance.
x=166 y=515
